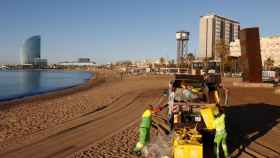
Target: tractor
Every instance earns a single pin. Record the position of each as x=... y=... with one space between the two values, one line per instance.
x=192 y=100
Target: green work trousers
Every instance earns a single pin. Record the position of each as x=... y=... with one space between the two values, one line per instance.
x=144 y=135
x=220 y=138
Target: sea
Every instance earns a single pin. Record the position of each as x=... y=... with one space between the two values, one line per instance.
x=15 y=84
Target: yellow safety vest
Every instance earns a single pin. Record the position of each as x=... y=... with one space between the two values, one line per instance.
x=219 y=123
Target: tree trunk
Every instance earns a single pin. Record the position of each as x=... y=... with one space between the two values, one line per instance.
x=222 y=68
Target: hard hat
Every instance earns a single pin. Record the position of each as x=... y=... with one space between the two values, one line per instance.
x=147 y=113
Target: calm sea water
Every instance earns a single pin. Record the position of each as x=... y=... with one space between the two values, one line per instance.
x=22 y=83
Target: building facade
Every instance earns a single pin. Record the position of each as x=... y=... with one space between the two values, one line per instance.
x=270 y=48
x=80 y=62
x=30 y=50
x=151 y=62
x=84 y=60
x=214 y=28
x=40 y=63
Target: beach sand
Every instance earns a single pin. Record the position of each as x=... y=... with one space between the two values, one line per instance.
x=253 y=127
x=27 y=121
x=102 y=119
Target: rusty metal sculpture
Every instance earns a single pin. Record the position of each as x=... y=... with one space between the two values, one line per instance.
x=251 y=63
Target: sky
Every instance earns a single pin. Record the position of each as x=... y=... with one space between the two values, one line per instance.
x=112 y=30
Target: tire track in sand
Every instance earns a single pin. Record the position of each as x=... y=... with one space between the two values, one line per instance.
x=102 y=124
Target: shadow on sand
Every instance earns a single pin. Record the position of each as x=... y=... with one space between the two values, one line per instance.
x=248 y=122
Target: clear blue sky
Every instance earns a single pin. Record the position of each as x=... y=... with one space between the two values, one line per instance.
x=112 y=30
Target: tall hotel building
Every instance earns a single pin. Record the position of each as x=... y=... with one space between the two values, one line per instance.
x=31 y=50
x=214 y=28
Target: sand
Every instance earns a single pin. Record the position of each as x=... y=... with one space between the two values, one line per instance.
x=102 y=120
x=29 y=121
x=253 y=127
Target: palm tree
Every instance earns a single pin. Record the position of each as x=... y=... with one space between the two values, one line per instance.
x=161 y=61
x=222 y=51
x=269 y=63
x=190 y=59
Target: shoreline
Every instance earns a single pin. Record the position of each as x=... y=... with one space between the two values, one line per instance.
x=52 y=94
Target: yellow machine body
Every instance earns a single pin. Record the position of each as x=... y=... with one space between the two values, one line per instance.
x=186 y=140
x=188 y=151
x=187 y=144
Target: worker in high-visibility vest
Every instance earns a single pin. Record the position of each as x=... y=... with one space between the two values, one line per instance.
x=144 y=130
x=221 y=134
